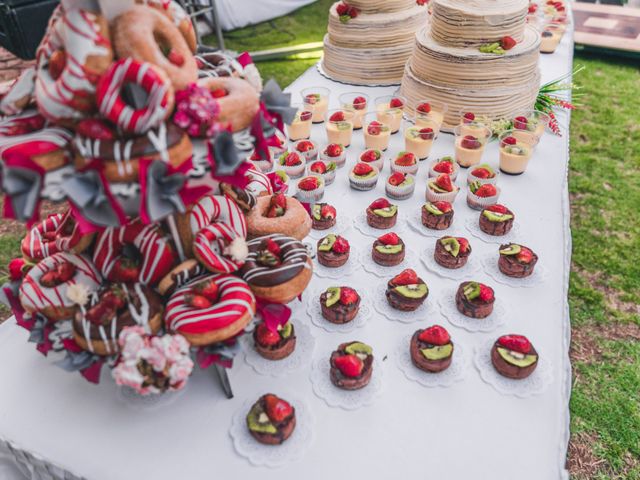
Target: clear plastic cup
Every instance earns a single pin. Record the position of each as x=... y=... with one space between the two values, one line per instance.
x=516 y=149
x=317 y=100
x=470 y=146
x=429 y=112
x=300 y=128
x=358 y=103
x=376 y=132
x=390 y=110
x=339 y=126
x=533 y=121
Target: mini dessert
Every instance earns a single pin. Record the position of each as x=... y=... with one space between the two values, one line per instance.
x=444 y=165
x=496 y=220
x=441 y=189
x=405 y=162
x=400 y=186
x=515 y=151
x=262 y=164
x=307 y=149
x=483 y=173
x=363 y=177
x=323 y=216
x=325 y=170
x=356 y=103
x=316 y=99
x=292 y=163
x=475 y=299
x=431 y=349
x=389 y=110
x=351 y=365
x=382 y=214
x=406 y=291
x=419 y=140
x=335 y=153
x=300 y=127
x=280 y=146
x=179 y=276
x=452 y=252
x=468 y=147
x=274 y=344
x=339 y=304
x=271 y=420
x=339 y=126
x=429 y=113
x=388 y=250
x=437 y=215
x=516 y=261
x=470 y=123
x=549 y=41
x=481 y=196
x=376 y=133
x=333 y=251
x=514 y=357
x=278 y=214
x=532 y=121
x=373 y=157
x=310 y=189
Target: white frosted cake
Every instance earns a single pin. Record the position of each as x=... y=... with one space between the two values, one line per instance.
x=373 y=47
x=448 y=66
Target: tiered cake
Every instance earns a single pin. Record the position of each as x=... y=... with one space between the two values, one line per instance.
x=373 y=47
x=448 y=66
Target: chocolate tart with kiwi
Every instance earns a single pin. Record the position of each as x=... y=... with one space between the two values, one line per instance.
x=274 y=344
x=351 y=365
x=437 y=215
x=388 y=250
x=516 y=260
x=333 y=251
x=382 y=214
x=513 y=356
x=496 y=220
x=452 y=252
x=475 y=299
x=323 y=216
x=339 y=305
x=271 y=420
x=406 y=291
x=431 y=349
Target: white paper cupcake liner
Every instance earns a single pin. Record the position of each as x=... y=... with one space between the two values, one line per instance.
x=412 y=169
x=467 y=271
x=434 y=174
x=449 y=309
x=133 y=400
x=493 y=181
x=366 y=259
x=490 y=266
x=422 y=313
x=340 y=161
x=263 y=166
x=328 y=177
x=363 y=184
x=293 y=172
x=415 y=222
x=345 y=270
x=311 y=196
x=363 y=227
x=342 y=224
x=473 y=227
x=314 y=312
x=379 y=164
x=432 y=196
x=480 y=203
x=397 y=192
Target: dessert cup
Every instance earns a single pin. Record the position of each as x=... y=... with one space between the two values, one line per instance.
x=516 y=148
x=356 y=102
x=469 y=147
x=376 y=132
x=388 y=112
x=300 y=128
x=316 y=99
x=339 y=126
x=430 y=112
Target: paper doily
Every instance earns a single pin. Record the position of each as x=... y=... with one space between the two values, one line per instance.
x=372 y=267
x=474 y=229
x=449 y=309
x=490 y=265
x=534 y=384
x=301 y=355
x=453 y=273
x=415 y=222
x=132 y=399
x=314 y=311
x=446 y=378
x=345 y=270
x=381 y=304
x=346 y=399
x=363 y=227
x=272 y=456
x=343 y=224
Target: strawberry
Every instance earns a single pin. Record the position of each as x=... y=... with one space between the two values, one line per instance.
x=426 y=133
x=348 y=296
x=533 y=7
x=95 y=129
x=444 y=182
x=370 y=156
x=266 y=337
x=272 y=247
x=292 y=159
x=100 y=312
x=507 y=43
x=318 y=167
x=209 y=290
x=341 y=245
x=65 y=271
x=396 y=178
x=279 y=200
x=525 y=255
x=175 y=57
x=486 y=293
x=380 y=203
x=312 y=98
x=374 y=128
x=304 y=146
x=342 y=9
x=327 y=211
x=49 y=279
x=435 y=335
x=272 y=212
x=486 y=190
x=337 y=117
x=17 y=268
x=125 y=270
x=444 y=207
x=424 y=107
x=516 y=343
x=498 y=208
x=390 y=238
x=219 y=93
x=309 y=183
x=57 y=63
x=306 y=116
x=406 y=277
x=470 y=142
x=481 y=173
x=520 y=123
x=333 y=150
x=468 y=117
x=396 y=103
x=349 y=365
x=362 y=169
x=277 y=409
x=359 y=103
x=464 y=244
x=406 y=159
x=443 y=167
x=509 y=140
x=198 y=301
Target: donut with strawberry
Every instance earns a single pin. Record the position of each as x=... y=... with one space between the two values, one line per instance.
x=513 y=356
x=452 y=252
x=431 y=349
x=278 y=214
x=475 y=299
x=271 y=420
x=339 y=305
x=351 y=365
x=274 y=343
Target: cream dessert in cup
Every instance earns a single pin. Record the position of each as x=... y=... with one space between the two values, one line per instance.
x=300 y=128
x=470 y=146
x=316 y=99
x=390 y=109
x=339 y=126
x=419 y=140
x=471 y=123
x=430 y=113
x=530 y=121
x=376 y=132
x=516 y=151
x=357 y=103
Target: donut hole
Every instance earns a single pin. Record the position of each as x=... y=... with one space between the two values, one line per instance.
x=134 y=95
x=163 y=43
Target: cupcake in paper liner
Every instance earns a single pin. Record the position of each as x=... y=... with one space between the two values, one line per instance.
x=281 y=148
x=400 y=186
x=363 y=176
x=441 y=189
x=292 y=163
x=310 y=189
x=446 y=165
x=334 y=152
x=373 y=157
x=306 y=149
x=405 y=162
x=483 y=173
x=481 y=196
x=326 y=170
x=263 y=165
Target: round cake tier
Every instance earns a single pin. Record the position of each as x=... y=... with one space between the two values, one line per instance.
x=465 y=23
x=385 y=30
x=379 y=6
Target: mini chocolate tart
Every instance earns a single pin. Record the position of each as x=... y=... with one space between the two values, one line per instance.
x=511 y=364
x=428 y=357
x=320 y=222
x=285 y=346
x=388 y=255
x=516 y=260
x=382 y=218
x=436 y=221
x=268 y=430
x=407 y=297
x=330 y=258
x=334 y=309
x=449 y=253
x=476 y=307
x=364 y=353
x=495 y=224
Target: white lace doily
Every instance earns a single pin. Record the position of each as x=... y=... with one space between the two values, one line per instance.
x=338 y=397
x=490 y=265
x=314 y=311
x=372 y=267
x=415 y=222
x=343 y=224
x=534 y=384
x=452 y=273
x=352 y=265
x=446 y=378
x=381 y=304
x=361 y=224
x=449 y=309
x=301 y=355
x=132 y=399
x=272 y=456
x=474 y=229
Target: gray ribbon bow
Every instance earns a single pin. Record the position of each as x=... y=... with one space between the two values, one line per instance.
x=22 y=186
x=278 y=102
x=225 y=154
x=163 y=192
x=87 y=192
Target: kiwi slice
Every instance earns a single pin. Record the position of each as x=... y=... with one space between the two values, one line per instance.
x=497 y=217
x=451 y=245
x=437 y=352
x=436 y=188
x=358 y=347
x=517 y=359
x=327 y=243
x=333 y=295
x=317 y=208
x=512 y=249
x=431 y=208
x=388 y=212
x=258 y=421
x=418 y=290
x=286 y=330
x=471 y=290
x=389 y=249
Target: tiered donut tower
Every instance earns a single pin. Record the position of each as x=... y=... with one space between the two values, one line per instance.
x=150 y=262
x=369 y=42
x=448 y=65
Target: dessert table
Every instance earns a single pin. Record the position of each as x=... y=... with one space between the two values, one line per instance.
x=56 y=425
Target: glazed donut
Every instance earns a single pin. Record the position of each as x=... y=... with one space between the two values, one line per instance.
x=152 y=80
x=244 y=198
x=98 y=323
x=295 y=222
x=134 y=253
x=204 y=318
x=59 y=232
x=282 y=280
x=144 y=34
x=179 y=276
x=46 y=289
x=177 y=14
x=239 y=106
x=259 y=184
x=120 y=156
x=71 y=59
x=19 y=94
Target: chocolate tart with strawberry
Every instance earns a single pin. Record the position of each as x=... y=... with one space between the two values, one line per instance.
x=382 y=214
x=326 y=170
x=513 y=356
x=437 y=215
x=271 y=420
x=446 y=165
x=475 y=299
x=388 y=250
x=441 y=189
x=431 y=349
x=339 y=305
x=307 y=149
x=323 y=216
x=516 y=260
x=333 y=251
x=496 y=220
x=452 y=252
x=406 y=291
x=274 y=344
x=351 y=365
x=400 y=186
x=480 y=196
x=334 y=153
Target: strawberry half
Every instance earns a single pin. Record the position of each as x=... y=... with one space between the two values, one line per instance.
x=359 y=103
x=406 y=277
x=443 y=167
x=424 y=108
x=405 y=159
x=306 y=116
x=464 y=244
x=468 y=117
x=486 y=293
x=198 y=301
x=348 y=296
x=390 y=238
x=498 y=208
x=444 y=182
x=525 y=255
x=312 y=98
x=470 y=142
x=435 y=335
x=309 y=183
x=266 y=337
x=349 y=365
x=292 y=159
x=444 y=207
x=396 y=103
x=362 y=169
x=486 y=190
x=379 y=204
x=341 y=245
x=327 y=211
x=396 y=179
x=516 y=343
x=272 y=246
x=426 y=133
x=370 y=156
x=65 y=271
x=337 y=117
x=520 y=123
x=509 y=140
x=209 y=290
x=507 y=43
x=304 y=146
x=481 y=173
x=374 y=128
x=333 y=150
x=277 y=409
x=318 y=167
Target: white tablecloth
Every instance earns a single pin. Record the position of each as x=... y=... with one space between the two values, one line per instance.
x=465 y=431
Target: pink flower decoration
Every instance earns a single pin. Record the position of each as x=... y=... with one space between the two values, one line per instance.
x=197 y=111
